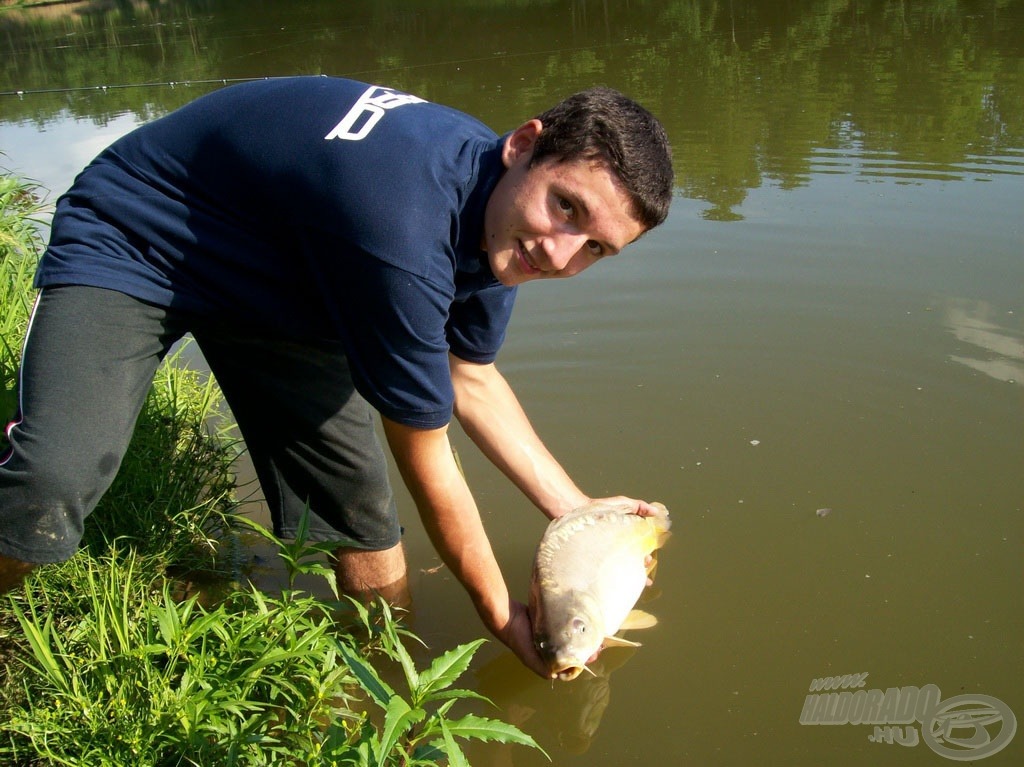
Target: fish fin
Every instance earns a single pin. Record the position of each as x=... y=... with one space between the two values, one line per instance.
x=638 y=619
x=652 y=566
x=619 y=642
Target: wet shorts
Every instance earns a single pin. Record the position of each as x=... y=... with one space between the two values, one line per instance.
x=89 y=358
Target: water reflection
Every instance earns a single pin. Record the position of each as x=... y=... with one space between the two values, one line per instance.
x=562 y=717
x=854 y=159
x=975 y=323
x=752 y=93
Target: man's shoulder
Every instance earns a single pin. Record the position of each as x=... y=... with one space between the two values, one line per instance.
x=355 y=111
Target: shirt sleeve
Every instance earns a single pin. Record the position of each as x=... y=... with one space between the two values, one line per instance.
x=393 y=325
x=476 y=326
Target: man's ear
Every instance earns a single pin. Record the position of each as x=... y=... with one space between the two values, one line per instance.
x=519 y=143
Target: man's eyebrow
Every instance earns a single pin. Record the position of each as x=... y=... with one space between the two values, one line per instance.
x=579 y=202
x=568 y=193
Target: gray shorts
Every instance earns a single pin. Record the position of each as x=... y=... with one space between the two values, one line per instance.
x=88 y=362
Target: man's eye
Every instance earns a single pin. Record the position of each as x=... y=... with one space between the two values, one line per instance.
x=595 y=248
x=566 y=207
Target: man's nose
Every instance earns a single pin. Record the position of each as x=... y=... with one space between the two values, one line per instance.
x=561 y=247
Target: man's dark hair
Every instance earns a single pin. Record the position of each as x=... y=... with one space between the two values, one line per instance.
x=603 y=124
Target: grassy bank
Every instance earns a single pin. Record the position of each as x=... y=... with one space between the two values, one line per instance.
x=108 y=660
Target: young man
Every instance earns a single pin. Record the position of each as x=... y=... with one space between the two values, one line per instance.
x=335 y=248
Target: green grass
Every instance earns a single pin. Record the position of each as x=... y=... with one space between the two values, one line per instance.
x=142 y=678
x=20 y=240
x=107 y=661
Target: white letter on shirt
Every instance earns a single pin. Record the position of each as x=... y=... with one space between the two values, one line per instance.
x=372 y=104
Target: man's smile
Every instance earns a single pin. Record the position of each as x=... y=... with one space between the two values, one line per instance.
x=524 y=259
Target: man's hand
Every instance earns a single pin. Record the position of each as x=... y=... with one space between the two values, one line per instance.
x=517 y=634
x=641 y=508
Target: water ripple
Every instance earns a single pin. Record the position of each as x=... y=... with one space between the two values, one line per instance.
x=873 y=164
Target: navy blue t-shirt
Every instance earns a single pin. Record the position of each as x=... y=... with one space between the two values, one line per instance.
x=312 y=207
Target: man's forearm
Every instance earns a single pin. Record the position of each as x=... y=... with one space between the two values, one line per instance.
x=491 y=415
x=452 y=520
x=450 y=516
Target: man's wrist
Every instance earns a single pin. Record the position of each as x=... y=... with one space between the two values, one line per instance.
x=569 y=503
x=494 y=610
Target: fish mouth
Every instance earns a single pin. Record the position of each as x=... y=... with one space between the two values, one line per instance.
x=563 y=668
x=568 y=673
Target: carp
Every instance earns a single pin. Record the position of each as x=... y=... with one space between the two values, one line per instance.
x=591 y=567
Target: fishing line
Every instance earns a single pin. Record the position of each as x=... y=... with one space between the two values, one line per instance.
x=502 y=55
x=104 y=88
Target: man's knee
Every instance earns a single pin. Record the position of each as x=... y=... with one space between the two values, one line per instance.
x=43 y=506
x=369 y=574
x=12 y=572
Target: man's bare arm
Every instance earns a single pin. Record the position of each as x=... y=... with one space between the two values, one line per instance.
x=452 y=521
x=491 y=415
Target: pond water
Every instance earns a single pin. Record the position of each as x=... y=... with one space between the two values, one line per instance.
x=832 y=318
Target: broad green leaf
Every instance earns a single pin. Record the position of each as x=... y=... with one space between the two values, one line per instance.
x=482 y=728
x=397 y=720
x=366 y=676
x=456 y=693
x=446 y=669
x=455 y=756
x=428 y=753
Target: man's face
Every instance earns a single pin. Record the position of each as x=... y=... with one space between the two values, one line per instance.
x=554 y=219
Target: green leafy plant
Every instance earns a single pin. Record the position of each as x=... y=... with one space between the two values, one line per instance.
x=417 y=728
x=139 y=677
x=143 y=678
x=300 y=557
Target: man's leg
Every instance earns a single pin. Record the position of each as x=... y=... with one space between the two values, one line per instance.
x=313 y=442
x=12 y=572
x=87 y=365
x=367 y=574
